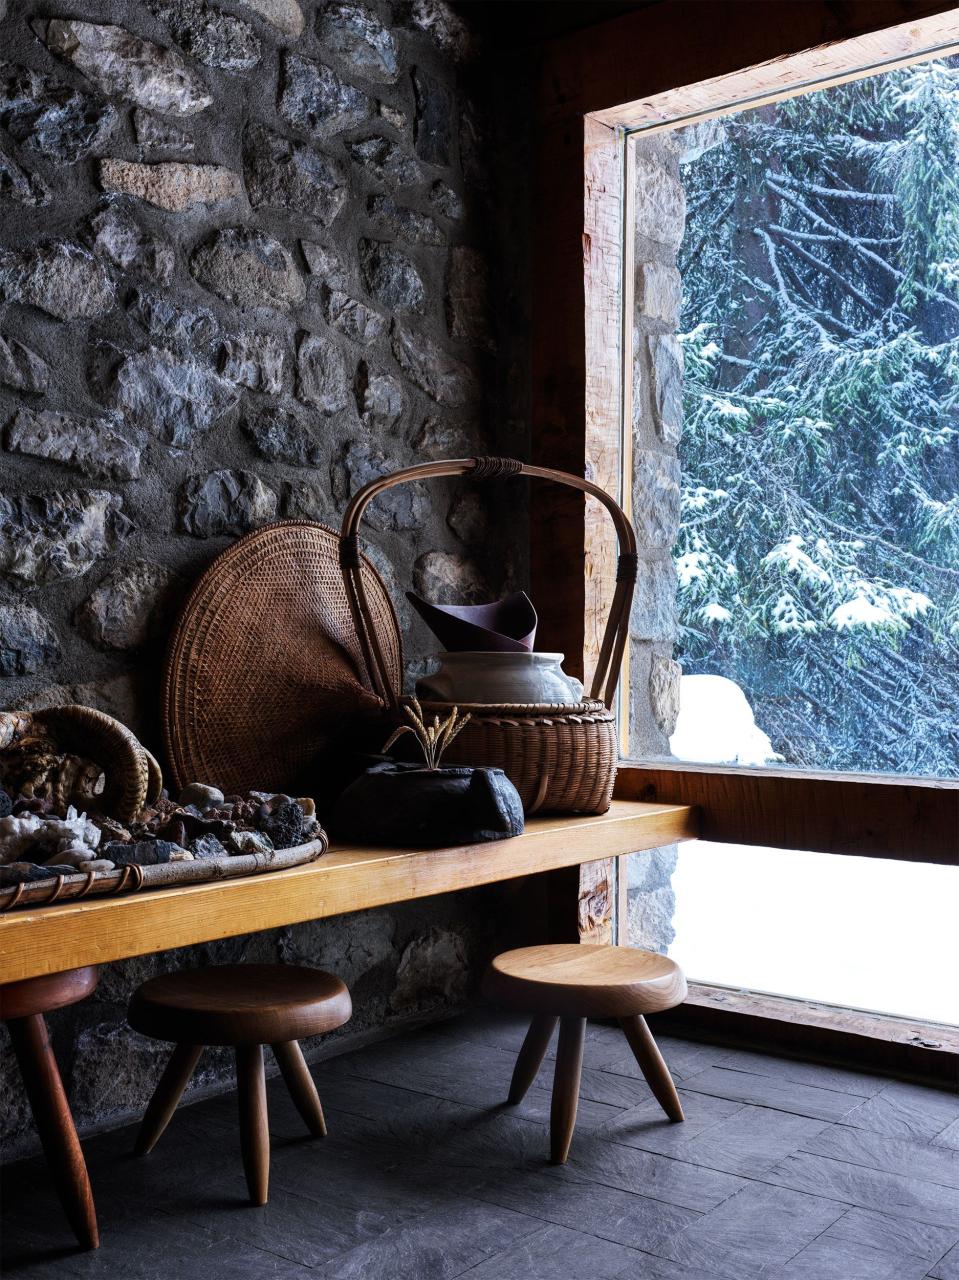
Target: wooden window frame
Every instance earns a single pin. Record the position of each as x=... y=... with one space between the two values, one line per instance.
x=682 y=60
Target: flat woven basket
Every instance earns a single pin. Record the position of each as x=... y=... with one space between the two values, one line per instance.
x=265 y=680
x=561 y=759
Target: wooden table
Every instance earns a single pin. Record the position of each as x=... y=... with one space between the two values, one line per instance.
x=95 y=931
x=69 y=936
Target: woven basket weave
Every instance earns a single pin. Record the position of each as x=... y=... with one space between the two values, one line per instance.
x=264 y=674
x=561 y=759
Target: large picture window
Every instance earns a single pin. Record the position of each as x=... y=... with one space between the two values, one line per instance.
x=818 y=553
x=794 y=414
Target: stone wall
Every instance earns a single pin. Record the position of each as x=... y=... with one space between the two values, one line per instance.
x=657 y=426
x=245 y=251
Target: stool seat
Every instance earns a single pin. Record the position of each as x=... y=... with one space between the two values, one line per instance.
x=50 y=991
x=580 y=981
x=237 y=1004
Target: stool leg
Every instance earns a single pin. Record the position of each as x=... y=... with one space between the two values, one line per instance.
x=51 y=1111
x=531 y=1056
x=569 y=1065
x=300 y=1084
x=646 y=1052
x=254 y=1130
x=169 y=1091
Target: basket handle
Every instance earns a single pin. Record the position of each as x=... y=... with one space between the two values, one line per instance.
x=617 y=627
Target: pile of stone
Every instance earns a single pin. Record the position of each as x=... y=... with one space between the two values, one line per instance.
x=36 y=843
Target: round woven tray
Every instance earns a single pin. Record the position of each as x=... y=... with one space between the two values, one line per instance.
x=264 y=673
x=165 y=875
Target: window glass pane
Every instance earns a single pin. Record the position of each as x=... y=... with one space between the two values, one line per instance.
x=861 y=933
x=817 y=552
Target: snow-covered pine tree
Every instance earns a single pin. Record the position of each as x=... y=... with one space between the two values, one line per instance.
x=818 y=561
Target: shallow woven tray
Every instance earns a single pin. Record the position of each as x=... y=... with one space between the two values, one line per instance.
x=90 y=884
x=264 y=672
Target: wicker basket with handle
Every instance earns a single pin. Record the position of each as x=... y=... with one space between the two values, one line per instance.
x=561 y=759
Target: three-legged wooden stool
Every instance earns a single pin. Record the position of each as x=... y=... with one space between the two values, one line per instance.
x=246 y=1006
x=568 y=984
x=22 y=1006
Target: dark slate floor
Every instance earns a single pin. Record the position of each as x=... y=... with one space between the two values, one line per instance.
x=782 y=1170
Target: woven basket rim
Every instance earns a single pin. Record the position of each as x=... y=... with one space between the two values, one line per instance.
x=589 y=706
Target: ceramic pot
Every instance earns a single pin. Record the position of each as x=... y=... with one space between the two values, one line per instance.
x=500 y=677
x=407 y=805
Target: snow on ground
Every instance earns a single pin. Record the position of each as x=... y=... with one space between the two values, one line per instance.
x=716 y=725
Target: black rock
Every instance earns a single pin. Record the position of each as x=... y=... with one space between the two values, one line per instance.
x=51 y=118
x=205 y=847
x=360 y=39
x=400 y=804
x=225 y=503
x=146 y=853
x=434 y=119
x=25 y=872
x=174 y=396
x=6 y=805
x=52 y=536
x=283 y=824
x=391 y=277
x=289 y=176
x=171 y=325
x=314 y=98
x=282 y=437
x=215 y=38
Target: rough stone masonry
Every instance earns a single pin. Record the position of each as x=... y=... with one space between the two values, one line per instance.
x=244 y=258
x=660 y=221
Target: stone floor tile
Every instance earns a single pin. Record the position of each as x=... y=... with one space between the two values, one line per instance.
x=419 y=1178
x=436 y=1246
x=907 y=1111
x=768 y=1091
x=949 y=1137
x=154 y=1246
x=831 y=1259
x=894 y=1155
x=684 y=1058
x=556 y=1253
x=756 y=1230
x=647 y=1126
x=617 y=1091
x=648 y=1174
x=895 y=1235
x=869 y=1188
x=479 y=1077
x=305 y=1229
x=814 y=1073
x=647 y=1267
x=751 y=1141
x=947 y=1268
x=606 y=1212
